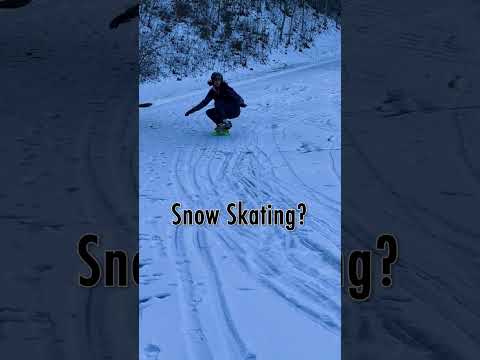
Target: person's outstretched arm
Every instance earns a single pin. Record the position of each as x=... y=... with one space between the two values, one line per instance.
x=202 y=104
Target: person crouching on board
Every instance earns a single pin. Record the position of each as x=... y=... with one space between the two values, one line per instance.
x=227 y=103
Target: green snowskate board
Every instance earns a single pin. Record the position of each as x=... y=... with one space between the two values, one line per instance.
x=221 y=133
x=222 y=129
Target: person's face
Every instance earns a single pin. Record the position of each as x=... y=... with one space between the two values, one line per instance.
x=217 y=83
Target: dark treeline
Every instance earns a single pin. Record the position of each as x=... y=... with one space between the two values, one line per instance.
x=184 y=37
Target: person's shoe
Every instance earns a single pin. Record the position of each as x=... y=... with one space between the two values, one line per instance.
x=222 y=126
x=221 y=130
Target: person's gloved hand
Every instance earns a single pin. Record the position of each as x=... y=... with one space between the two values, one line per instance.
x=243 y=105
x=188 y=112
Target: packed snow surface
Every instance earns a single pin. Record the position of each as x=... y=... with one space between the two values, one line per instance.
x=231 y=292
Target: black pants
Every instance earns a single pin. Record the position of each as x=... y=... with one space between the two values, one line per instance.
x=220 y=113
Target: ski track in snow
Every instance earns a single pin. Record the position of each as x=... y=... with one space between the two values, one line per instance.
x=243 y=292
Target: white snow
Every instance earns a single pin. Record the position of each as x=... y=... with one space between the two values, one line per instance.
x=244 y=292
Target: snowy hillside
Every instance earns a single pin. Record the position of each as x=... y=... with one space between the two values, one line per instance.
x=244 y=292
x=182 y=38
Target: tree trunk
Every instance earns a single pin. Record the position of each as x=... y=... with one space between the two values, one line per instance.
x=302 y=31
x=292 y=18
x=325 y=14
x=284 y=12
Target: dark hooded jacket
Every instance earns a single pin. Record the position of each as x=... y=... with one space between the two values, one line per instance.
x=225 y=98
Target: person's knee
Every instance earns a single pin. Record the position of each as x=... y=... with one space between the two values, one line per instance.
x=210 y=113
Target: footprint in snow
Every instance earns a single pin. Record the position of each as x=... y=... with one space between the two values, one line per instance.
x=305 y=148
x=152 y=351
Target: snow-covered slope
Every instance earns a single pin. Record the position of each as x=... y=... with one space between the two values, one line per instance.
x=243 y=292
x=185 y=37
